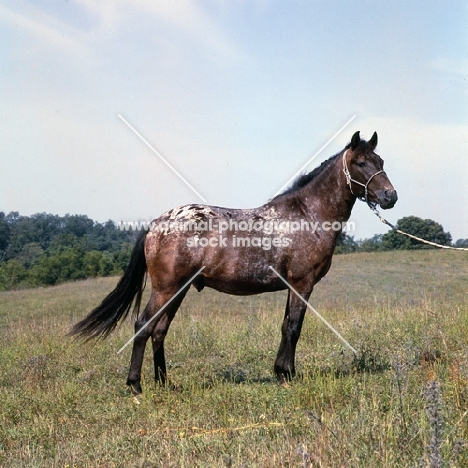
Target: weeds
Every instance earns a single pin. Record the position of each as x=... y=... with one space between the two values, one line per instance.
x=436 y=421
x=402 y=401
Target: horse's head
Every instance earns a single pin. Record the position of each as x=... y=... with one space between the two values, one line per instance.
x=364 y=173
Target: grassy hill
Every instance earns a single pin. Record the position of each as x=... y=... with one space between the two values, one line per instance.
x=402 y=402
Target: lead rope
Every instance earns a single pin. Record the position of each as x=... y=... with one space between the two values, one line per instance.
x=440 y=246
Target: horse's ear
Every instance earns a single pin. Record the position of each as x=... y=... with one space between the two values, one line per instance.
x=355 y=141
x=373 y=141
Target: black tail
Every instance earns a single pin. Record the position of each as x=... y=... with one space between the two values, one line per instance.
x=116 y=306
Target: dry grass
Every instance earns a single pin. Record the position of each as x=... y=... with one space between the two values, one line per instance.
x=64 y=403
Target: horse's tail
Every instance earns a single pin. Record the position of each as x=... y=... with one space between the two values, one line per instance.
x=103 y=319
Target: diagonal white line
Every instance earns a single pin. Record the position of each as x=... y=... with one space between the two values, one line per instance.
x=314 y=311
x=162 y=158
x=160 y=310
x=315 y=155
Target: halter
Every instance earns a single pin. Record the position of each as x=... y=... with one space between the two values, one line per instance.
x=349 y=181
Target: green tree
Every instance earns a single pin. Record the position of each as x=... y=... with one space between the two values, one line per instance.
x=107 y=237
x=92 y=263
x=371 y=245
x=345 y=244
x=121 y=258
x=66 y=264
x=40 y=228
x=78 y=225
x=30 y=254
x=4 y=234
x=43 y=227
x=463 y=243
x=21 y=233
x=98 y=264
x=424 y=228
x=107 y=267
x=66 y=240
x=12 y=274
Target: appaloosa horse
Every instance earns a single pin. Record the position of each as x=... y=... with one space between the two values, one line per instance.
x=295 y=233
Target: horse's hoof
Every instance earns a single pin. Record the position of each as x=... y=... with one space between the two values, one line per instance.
x=136 y=399
x=284 y=376
x=283 y=383
x=135 y=388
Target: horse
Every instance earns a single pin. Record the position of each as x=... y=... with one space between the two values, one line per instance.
x=287 y=243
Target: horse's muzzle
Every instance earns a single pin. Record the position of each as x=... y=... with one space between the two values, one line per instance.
x=387 y=198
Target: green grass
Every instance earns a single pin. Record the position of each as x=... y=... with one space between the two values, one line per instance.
x=65 y=403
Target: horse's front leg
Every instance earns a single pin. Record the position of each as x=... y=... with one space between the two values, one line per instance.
x=290 y=331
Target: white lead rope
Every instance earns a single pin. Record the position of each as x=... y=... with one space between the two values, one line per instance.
x=440 y=246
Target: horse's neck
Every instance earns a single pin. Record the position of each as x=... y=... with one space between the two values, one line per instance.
x=328 y=195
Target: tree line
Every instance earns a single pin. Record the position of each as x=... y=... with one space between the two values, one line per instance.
x=45 y=249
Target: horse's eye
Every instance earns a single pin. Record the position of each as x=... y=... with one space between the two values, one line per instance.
x=361 y=164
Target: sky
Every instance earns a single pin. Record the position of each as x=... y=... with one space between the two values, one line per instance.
x=236 y=96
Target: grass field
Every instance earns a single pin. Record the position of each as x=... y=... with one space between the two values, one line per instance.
x=402 y=402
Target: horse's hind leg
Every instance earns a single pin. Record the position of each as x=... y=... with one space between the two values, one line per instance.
x=139 y=344
x=159 y=359
x=158 y=335
x=158 y=330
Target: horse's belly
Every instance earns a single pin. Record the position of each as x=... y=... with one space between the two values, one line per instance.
x=240 y=287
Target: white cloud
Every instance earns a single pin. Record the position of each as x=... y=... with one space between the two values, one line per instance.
x=194 y=20
x=185 y=15
x=108 y=19
x=45 y=29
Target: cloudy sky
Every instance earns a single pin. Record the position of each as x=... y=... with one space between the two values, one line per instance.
x=235 y=95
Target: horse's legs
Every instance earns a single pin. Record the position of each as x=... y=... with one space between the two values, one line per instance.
x=158 y=330
x=139 y=344
x=290 y=331
x=159 y=359
x=158 y=335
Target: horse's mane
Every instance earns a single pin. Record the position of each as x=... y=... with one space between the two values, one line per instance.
x=303 y=179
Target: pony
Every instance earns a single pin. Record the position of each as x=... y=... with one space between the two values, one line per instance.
x=242 y=252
